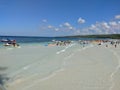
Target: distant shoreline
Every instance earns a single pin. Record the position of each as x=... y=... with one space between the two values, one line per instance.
x=111 y=36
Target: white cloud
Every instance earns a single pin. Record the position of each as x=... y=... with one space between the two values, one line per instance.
x=66 y=24
x=104 y=28
x=117 y=17
x=113 y=23
x=80 y=20
x=56 y=29
x=50 y=27
x=70 y=28
x=97 y=28
x=92 y=27
x=105 y=25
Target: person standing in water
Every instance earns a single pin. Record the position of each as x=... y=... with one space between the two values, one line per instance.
x=14 y=43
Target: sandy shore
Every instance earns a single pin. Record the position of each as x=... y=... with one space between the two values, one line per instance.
x=94 y=68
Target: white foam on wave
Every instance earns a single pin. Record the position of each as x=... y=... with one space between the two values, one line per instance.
x=61 y=51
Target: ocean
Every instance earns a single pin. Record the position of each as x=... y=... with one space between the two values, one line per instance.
x=30 y=39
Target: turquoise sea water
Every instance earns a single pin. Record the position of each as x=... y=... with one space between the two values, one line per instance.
x=26 y=39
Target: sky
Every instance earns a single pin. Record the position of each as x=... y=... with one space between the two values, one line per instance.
x=59 y=17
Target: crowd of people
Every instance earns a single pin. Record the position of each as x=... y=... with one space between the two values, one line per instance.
x=107 y=43
x=115 y=43
x=60 y=43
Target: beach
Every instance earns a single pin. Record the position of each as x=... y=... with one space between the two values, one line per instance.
x=60 y=45
x=71 y=67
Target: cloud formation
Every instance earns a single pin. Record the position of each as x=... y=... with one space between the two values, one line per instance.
x=81 y=20
x=50 y=27
x=113 y=23
x=109 y=27
x=103 y=28
x=117 y=17
x=67 y=26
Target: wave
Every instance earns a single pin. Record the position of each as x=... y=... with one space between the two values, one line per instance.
x=61 y=51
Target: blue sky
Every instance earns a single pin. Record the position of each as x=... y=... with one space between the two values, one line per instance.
x=59 y=17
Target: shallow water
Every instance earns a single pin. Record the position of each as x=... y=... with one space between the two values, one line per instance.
x=32 y=61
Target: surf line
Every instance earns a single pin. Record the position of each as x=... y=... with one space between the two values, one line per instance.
x=61 y=51
x=115 y=71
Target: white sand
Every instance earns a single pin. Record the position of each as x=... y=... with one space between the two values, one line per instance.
x=94 y=68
